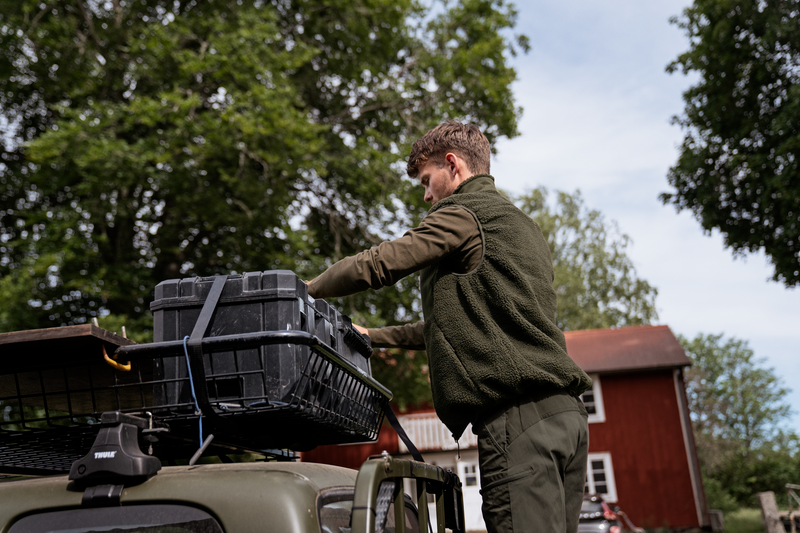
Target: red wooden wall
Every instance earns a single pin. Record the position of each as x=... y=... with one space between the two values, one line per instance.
x=643 y=434
x=352 y=455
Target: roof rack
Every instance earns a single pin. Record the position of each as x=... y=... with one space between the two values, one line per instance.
x=115 y=454
x=55 y=385
x=251 y=358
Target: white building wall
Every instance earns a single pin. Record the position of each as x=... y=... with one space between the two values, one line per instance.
x=427 y=432
x=439 y=448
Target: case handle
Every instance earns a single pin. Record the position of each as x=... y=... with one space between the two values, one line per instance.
x=119 y=366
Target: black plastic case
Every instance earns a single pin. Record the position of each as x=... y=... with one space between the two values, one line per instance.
x=284 y=388
x=275 y=300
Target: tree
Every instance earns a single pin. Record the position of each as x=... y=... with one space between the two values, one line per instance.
x=737 y=408
x=154 y=139
x=738 y=170
x=595 y=280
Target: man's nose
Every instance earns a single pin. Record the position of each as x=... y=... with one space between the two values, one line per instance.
x=427 y=197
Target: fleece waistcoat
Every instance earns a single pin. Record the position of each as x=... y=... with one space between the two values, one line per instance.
x=490 y=334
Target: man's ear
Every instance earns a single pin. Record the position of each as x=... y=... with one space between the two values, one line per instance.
x=452 y=162
x=458 y=167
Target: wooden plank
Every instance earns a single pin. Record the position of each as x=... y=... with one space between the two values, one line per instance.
x=46 y=347
x=63 y=369
x=769 y=512
x=16 y=339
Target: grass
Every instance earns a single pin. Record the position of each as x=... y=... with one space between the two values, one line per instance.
x=744 y=521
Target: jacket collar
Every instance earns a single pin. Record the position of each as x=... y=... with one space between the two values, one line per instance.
x=476 y=183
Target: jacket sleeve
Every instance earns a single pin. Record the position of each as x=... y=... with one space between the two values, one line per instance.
x=440 y=235
x=408 y=336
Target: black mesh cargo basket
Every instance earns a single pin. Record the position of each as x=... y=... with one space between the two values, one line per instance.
x=259 y=390
x=324 y=400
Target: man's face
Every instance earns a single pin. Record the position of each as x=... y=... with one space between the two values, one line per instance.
x=439 y=181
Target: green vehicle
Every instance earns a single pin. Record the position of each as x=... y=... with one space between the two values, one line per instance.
x=79 y=415
x=286 y=497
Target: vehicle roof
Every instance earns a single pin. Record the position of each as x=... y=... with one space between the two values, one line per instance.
x=241 y=496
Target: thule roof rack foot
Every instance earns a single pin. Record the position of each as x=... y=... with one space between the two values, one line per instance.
x=115 y=457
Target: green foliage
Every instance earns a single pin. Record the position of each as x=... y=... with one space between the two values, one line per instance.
x=746 y=520
x=737 y=408
x=407 y=371
x=717 y=497
x=731 y=396
x=595 y=280
x=738 y=170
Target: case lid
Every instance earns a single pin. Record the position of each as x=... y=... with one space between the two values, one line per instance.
x=272 y=284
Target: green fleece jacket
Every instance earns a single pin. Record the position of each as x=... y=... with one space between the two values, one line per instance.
x=491 y=334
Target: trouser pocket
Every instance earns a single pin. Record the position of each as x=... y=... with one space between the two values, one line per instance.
x=499 y=481
x=498 y=498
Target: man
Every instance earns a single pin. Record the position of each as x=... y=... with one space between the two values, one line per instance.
x=497 y=359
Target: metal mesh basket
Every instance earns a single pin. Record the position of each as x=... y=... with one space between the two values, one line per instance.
x=50 y=406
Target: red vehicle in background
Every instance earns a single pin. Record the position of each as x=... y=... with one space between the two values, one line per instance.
x=598 y=517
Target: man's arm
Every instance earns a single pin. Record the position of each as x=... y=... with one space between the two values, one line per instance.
x=448 y=232
x=441 y=234
x=408 y=336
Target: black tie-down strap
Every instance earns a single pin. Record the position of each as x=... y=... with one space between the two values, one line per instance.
x=453 y=499
x=402 y=434
x=195 y=349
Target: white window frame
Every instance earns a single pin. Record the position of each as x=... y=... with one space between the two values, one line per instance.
x=608 y=469
x=464 y=468
x=597 y=392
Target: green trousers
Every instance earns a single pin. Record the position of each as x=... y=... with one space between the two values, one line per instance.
x=532 y=458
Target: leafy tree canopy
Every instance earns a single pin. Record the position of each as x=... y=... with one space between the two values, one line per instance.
x=738 y=169
x=153 y=139
x=738 y=408
x=595 y=280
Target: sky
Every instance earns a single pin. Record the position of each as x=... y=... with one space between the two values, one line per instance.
x=597 y=107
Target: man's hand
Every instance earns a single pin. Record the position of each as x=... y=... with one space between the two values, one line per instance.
x=363 y=331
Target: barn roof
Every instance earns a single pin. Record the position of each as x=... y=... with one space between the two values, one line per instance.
x=624 y=349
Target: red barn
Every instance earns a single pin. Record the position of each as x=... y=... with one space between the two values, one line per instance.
x=641 y=448
x=640 y=436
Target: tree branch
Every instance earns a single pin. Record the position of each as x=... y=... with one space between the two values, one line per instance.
x=36 y=20
x=117 y=14
x=89 y=24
